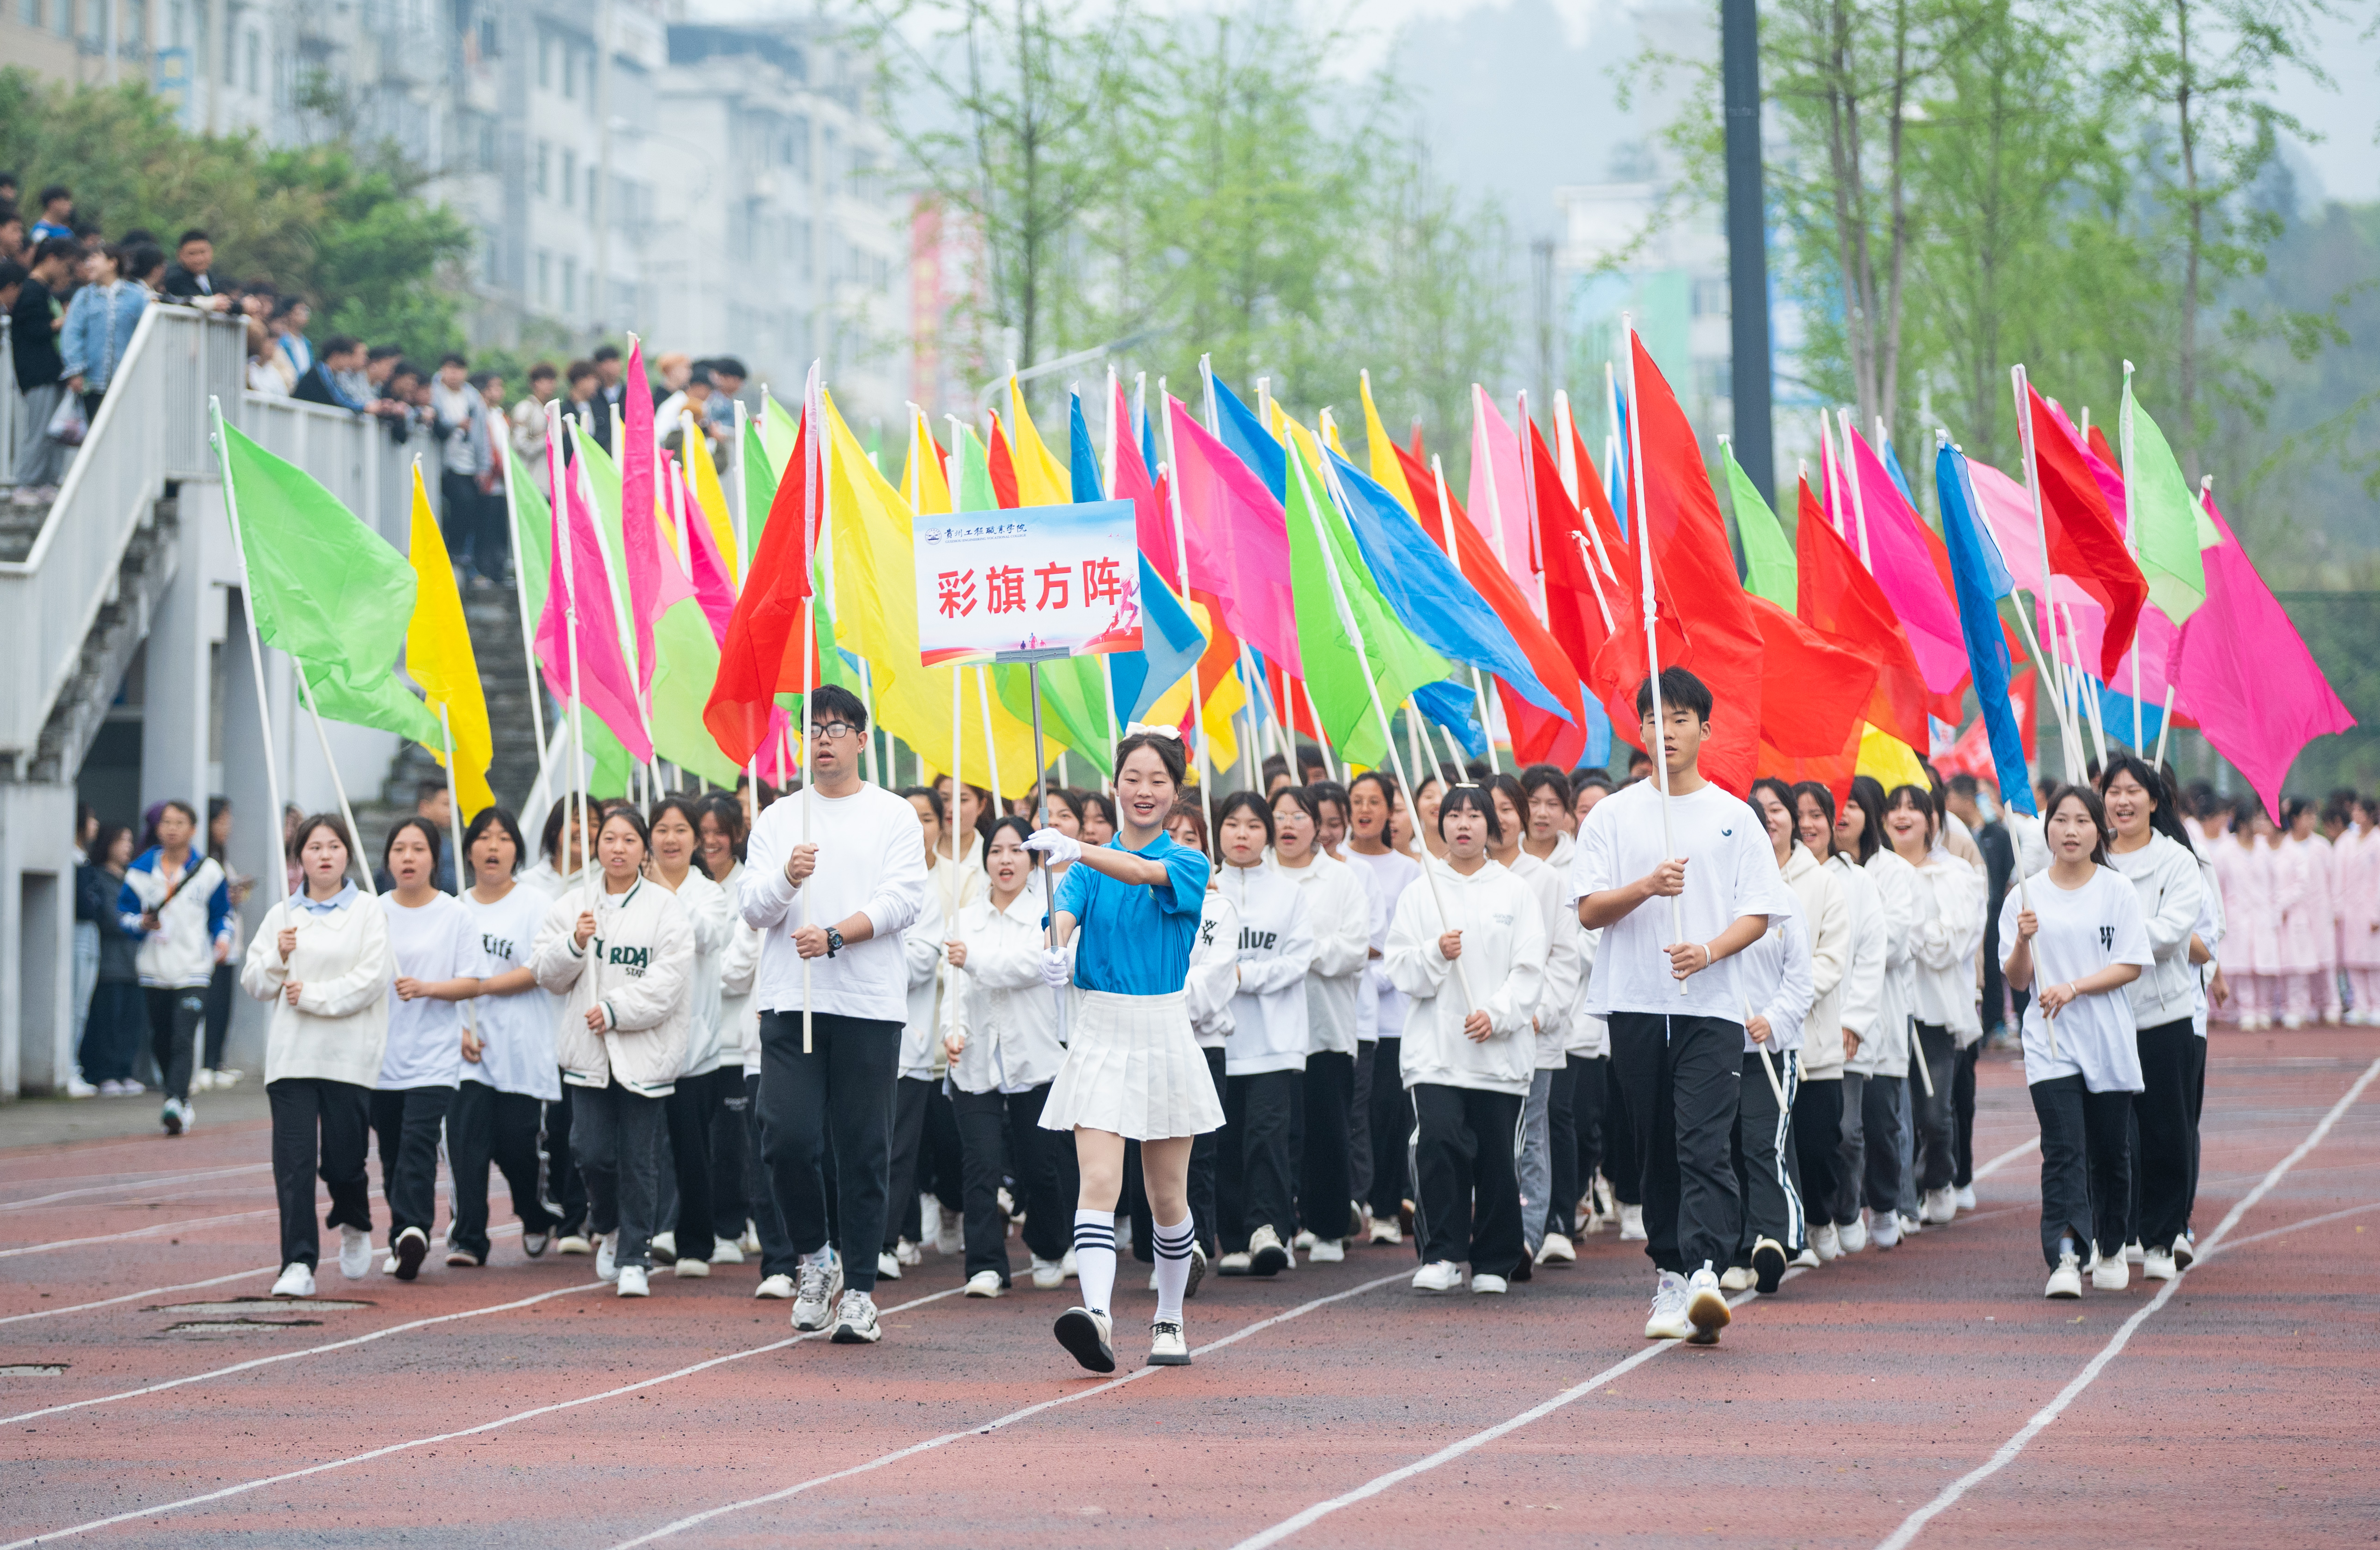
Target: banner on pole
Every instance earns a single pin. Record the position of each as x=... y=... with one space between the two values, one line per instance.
x=1029 y=582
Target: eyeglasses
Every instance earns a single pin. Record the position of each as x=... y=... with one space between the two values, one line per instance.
x=834 y=731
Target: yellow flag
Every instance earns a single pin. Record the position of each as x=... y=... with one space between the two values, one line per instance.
x=714 y=502
x=1040 y=481
x=922 y=481
x=875 y=619
x=438 y=657
x=1385 y=469
x=1886 y=758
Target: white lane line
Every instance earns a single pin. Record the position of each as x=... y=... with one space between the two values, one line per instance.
x=248 y=1486
x=151 y=1232
x=299 y=1355
x=1012 y=1418
x=2294 y=1227
x=1916 y=1522
x=1987 y=1169
x=136 y=1296
x=159 y=1182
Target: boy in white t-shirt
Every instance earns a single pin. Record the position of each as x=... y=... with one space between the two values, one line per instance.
x=1674 y=914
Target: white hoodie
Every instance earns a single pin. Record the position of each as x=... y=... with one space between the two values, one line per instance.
x=1339 y=905
x=338 y=1030
x=2172 y=897
x=1826 y=921
x=922 y=944
x=1565 y=970
x=1214 y=976
x=1009 y=1016
x=1269 y=1028
x=1503 y=961
x=1885 y=1052
x=1862 y=1000
x=1948 y=924
x=1776 y=977
x=711 y=913
x=635 y=967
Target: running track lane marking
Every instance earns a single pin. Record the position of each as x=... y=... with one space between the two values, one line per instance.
x=153 y=1291
x=153 y=1183
x=296 y=1355
x=994 y=1425
x=1455 y=1450
x=497 y=1424
x=1915 y=1524
x=140 y=1232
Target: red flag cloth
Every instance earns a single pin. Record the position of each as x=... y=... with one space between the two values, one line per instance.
x=1836 y=595
x=1585 y=606
x=2084 y=542
x=1814 y=686
x=1002 y=464
x=1697 y=566
x=762 y=657
x=1534 y=736
x=1619 y=666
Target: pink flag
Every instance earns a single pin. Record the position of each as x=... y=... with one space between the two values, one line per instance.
x=2245 y=676
x=1903 y=566
x=1152 y=523
x=582 y=589
x=638 y=510
x=712 y=588
x=1496 y=461
x=1238 y=540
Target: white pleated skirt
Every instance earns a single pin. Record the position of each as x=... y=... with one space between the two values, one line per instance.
x=1133 y=1068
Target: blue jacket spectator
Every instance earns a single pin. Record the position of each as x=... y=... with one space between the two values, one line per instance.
x=101 y=318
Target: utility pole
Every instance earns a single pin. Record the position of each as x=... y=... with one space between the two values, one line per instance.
x=1747 y=244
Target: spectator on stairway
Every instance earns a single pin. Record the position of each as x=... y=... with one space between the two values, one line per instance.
x=525 y=426
x=189 y=279
x=57 y=215
x=326 y=383
x=463 y=455
x=610 y=371
x=263 y=362
x=111 y=1033
x=35 y=321
x=103 y=315
x=401 y=410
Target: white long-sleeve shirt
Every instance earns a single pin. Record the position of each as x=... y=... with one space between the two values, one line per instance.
x=2172 y=897
x=1943 y=938
x=1270 y=1027
x=1777 y=979
x=1503 y=962
x=1009 y=1016
x=713 y=919
x=872 y=860
x=1862 y=998
x=1214 y=975
x=1339 y=906
x=922 y=952
x=1565 y=970
x=1826 y=918
x=1885 y=1052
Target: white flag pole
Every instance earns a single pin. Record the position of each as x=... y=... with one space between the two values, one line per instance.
x=256 y=648
x=1643 y=537
x=520 y=594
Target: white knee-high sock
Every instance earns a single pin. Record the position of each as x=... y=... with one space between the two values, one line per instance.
x=1095 y=1257
x=1172 y=1267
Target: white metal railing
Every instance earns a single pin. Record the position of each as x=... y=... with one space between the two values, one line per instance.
x=349 y=453
x=12 y=407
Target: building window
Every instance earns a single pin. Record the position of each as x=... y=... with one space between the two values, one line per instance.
x=544 y=162
x=570 y=72
x=487 y=145
x=569 y=287
x=569 y=178
x=1710 y=298
x=594 y=193
x=29 y=12
x=544 y=278
x=544 y=60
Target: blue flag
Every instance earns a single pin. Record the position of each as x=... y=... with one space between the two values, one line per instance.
x=1250 y=442
x=1454 y=706
x=1980 y=580
x=1083 y=463
x=1169 y=642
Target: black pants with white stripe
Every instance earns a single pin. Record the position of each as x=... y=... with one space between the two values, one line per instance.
x=1772 y=1206
x=1255 y=1177
x=1679 y=1078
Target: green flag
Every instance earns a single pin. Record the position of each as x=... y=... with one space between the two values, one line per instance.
x=325 y=588
x=2169 y=527
x=1398 y=661
x=1768 y=557
x=685 y=663
x=760 y=478
x=779 y=432
x=532 y=537
x=1074 y=705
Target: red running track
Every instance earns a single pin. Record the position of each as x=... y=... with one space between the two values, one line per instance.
x=1332 y=1407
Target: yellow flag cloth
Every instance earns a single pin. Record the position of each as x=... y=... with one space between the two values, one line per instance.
x=713 y=498
x=1041 y=479
x=1891 y=761
x=923 y=482
x=438 y=657
x=1386 y=470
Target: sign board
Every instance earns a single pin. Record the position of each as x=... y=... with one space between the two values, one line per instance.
x=1028 y=583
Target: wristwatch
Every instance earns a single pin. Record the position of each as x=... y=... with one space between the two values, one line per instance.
x=833 y=941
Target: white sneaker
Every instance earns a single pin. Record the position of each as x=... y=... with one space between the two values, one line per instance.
x=1491 y=1286
x=929 y=1218
x=1707 y=1307
x=1326 y=1250
x=664 y=1245
x=1557 y=1250
x=355 y=1253
x=1066 y=1263
x=1304 y=1239
x=1885 y=1233
x=1385 y=1231
x=574 y=1244
x=1910 y=1225
x=1735 y=1278
x=855 y=1321
x=1197 y=1271
x=1439 y=1275
x=1167 y=1346
x=77 y=1088
x=2158 y=1266
x=778 y=1288
x=227 y=1078
x=1853 y=1235
x=1047 y=1274
x=388 y=1265
x=1669 y=1321
x=750 y=1242
x=1966 y=1197
x=1823 y=1239
x=1768 y=1265
x=1267 y=1255
x=2111 y=1273
x=177 y=1116
x=201 y=1080
x=1941 y=1206
x=607 y=1257
x=984 y=1283
x=1632 y=1224
x=412 y=1248
x=1808 y=1258
x=2066 y=1279
x=2134 y=1252
x=724 y=1253
x=820 y=1284
x=690 y=1269
x=951 y=1239
x=2185 y=1251
x=1232 y=1263
x=633 y=1282
x=1088 y=1338
x=906 y=1253
x=888 y=1265
x=297 y=1280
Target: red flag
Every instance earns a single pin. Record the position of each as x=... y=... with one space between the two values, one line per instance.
x=1696 y=564
x=2085 y=545
x=1814 y=693
x=1003 y=464
x=1534 y=736
x=762 y=657
x=1838 y=596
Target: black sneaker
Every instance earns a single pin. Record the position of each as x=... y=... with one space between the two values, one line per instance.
x=412 y=1248
x=1086 y=1335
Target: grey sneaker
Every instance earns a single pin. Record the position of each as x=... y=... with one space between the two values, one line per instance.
x=820 y=1283
x=854 y=1320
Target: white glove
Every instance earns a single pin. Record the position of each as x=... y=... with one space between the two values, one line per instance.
x=1057 y=850
x=1055 y=971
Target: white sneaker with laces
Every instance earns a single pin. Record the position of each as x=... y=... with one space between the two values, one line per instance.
x=1769 y=1263
x=201 y=1080
x=1089 y=1337
x=1669 y=1321
x=690 y=1269
x=226 y=1078
x=888 y=1265
x=355 y=1253
x=1385 y=1231
x=1808 y=1258
x=1966 y=1197
x=1707 y=1307
x=1735 y=1278
x=1853 y=1235
x=1557 y=1250
x=574 y=1244
x=724 y=1253
x=2158 y=1265
x=1167 y=1345
x=950 y=1240
x=1047 y=1274
x=1941 y=1206
x=77 y=1088
x=1823 y=1239
x=1489 y=1286
x=1439 y=1275
x=1632 y=1224
x=297 y=1280
x=1326 y=1250
x=855 y=1321
x=2111 y=1273
x=412 y=1248
x=984 y=1283
x=929 y=1218
x=607 y=1257
x=779 y=1289
x=820 y=1283
x=750 y=1242
x=388 y=1265
x=633 y=1282
x=1267 y=1255
x=2066 y=1279
x=1232 y=1263
x=1885 y=1233
x=1304 y=1239
x=1910 y=1225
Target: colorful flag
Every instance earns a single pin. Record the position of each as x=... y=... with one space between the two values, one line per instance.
x=761 y=654
x=1237 y=537
x=1040 y=481
x=640 y=539
x=1498 y=503
x=1980 y=581
x=2084 y=541
x=1251 y=439
x=1768 y=557
x=1899 y=550
x=710 y=502
x=1835 y=592
x=2168 y=531
x=438 y=657
x=1388 y=471
x=580 y=592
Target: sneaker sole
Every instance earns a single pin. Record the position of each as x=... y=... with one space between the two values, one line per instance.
x=853 y=1335
x=173 y=1123
x=1198 y=1274
x=1768 y=1265
x=1181 y=1360
x=1708 y=1313
x=1079 y=1333
x=411 y=1252
x=1270 y=1261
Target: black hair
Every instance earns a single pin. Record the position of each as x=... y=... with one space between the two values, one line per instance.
x=686 y=808
x=105 y=842
x=1784 y=791
x=1514 y=792
x=1924 y=800
x=284 y=306
x=1679 y=690
x=1022 y=828
x=550 y=845
x=1476 y=799
x=193 y=235
x=12 y=273
x=427 y=791
x=1274 y=764
x=1308 y=799
x=1167 y=749
x=543 y=368
x=732 y=366
x=499 y=818
x=636 y=820
x=429 y=832
x=216 y=807
x=65 y=247
x=605 y=352
x=305 y=826
x=175 y=805
x=137 y=261
x=933 y=800
x=1188 y=807
x=1582 y=779
x=2161 y=817
x=1097 y=800
x=1965 y=785
x=1538 y=777
x=834 y=700
x=384 y=352
x=2245 y=810
x=1637 y=757
x=339 y=344
x=1381 y=777
x=1867 y=796
x=54 y=193
x=730 y=814
x=1244 y=801
x=1309 y=756
x=1817 y=791
x=2090 y=804
x=1329 y=790
x=2292 y=808
x=453 y=357
x=1070 y=800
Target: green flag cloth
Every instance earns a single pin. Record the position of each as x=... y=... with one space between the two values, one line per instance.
x=779 y=431
x=2169 y=526
x=1074 y=705
x=760 y=476
x=532 y=537
x=327 y=590
x=685 y=663
x=1767 y=556
x=1398 y=662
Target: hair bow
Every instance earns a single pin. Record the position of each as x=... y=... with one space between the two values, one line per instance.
x=1138 y=729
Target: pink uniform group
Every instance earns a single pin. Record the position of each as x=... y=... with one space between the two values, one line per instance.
x=2302 y=939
